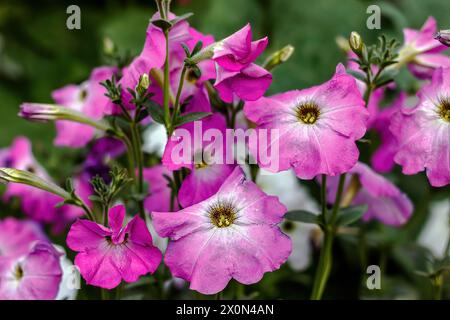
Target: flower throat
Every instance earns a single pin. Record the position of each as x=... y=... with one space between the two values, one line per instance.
x=222 y=214
x=307 y=112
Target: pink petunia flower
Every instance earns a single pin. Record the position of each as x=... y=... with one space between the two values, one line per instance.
x=237 y=51
x=248 y=84
x=88 y=98
x=237 y=75
x=386 y=203
x=106 y=256
x=206 y=173
x=423 y=132
x=153 y=56
x=232 y=234
x=317 y=127
x=422 y=52
x=34 y=276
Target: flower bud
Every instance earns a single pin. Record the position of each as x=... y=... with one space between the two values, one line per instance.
x=143 y=84
x=38 y=112
x=109 y=48
x=356 y=43
x=443 y=37
x=278 y=57
x=8 y=175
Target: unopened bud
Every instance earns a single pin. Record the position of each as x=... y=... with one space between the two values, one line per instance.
x=443 y=37
x=109 y=48
x=278 y=57
x=144 y=83
x=38 y=112
x=9 y=175
x=356 y=43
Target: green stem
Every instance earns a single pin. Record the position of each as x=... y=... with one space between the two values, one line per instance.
x=437 y=282
x=329 y=228
x=137 y=147
x=176 y=108
x=166 y=87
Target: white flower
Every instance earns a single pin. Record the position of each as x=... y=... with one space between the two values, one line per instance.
x=70 y=282
x=155 y=139
x=294 y=196
x=436 y=232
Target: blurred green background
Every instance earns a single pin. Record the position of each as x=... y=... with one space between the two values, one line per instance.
x=39 y=54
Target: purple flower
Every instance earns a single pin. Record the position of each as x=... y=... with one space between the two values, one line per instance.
x=386 y=203
x=231 y=235
x=423 y=132
x=106 y=256
x=317 y=127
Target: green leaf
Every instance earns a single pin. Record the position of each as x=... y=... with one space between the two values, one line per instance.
x=197 y=48
x=181 y=18
x=155 y=111
x=302 y=216
x=358 y=75
x=351 y=214
x=190 y=117
x=163 y=24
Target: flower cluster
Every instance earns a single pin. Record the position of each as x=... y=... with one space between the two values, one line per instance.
x=222 y=217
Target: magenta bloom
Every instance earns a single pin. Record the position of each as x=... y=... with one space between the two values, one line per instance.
x=152 y=56
x=249 y=84
x=208 y=172
x=159 y=191
x=106 y=256
x=18 y=236
x=238 y=50
x=233 y=234
x=88 y=98
x=34 y=276
x=423 y=132
x=422 y=51
x=317 y=127
x=237 y=75
x=383 y=158
x=386 y=203
x=37 y=204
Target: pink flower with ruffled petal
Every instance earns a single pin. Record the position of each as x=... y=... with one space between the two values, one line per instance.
x=386 y=203
x=317 y=127
x=106 y=256
x=17 y=236
x=422 y=51
x=249 y=84
x=423 y=132
x=34 y=276
x=207 y=175
x=152 y=56
x=88 y=98
x=231 y=235
x=237 y=51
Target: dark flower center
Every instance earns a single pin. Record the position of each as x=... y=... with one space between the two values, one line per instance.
x=222 y=214
x=111 y=242
x=444 y=109
x=288 y=226
x=18 y=272
x=191 y=76
x=83 y=95
x=308 y=112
